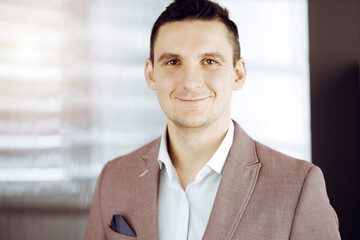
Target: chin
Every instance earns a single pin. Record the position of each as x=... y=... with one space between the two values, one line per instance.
x=188 y=122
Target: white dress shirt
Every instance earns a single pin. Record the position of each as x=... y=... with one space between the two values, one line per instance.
x=183 y=215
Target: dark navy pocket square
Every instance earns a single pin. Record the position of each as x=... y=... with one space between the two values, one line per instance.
x=119 y=225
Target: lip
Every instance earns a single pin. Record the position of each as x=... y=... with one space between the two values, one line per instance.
x=197 y=100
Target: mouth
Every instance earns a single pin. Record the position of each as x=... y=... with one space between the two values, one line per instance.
x=192 y=100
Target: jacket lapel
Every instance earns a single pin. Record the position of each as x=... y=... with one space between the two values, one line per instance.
x=146 y=200
x=238 y=181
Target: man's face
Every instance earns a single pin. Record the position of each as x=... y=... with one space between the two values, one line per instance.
x=193 y=72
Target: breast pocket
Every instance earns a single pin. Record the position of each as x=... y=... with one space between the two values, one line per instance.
x=112 y=235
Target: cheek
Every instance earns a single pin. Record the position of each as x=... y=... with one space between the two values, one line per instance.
x=165 y=82
x=220 y=82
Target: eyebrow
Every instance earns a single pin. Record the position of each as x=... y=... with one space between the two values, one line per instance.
x=204 y=55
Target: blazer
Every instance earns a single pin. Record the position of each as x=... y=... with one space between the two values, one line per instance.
x=263 y=194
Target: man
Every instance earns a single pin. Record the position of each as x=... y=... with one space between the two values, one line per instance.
x=205 y=178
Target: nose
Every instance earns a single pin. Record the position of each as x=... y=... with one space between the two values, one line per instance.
x=192 y=77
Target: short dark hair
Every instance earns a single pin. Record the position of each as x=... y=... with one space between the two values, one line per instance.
x=196 y=10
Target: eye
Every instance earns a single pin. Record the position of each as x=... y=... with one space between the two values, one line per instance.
x=209 y=62
x=172 y=62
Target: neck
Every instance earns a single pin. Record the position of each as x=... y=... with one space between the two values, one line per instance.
x=191 y=148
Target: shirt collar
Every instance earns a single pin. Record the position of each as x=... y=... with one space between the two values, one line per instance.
x=164 y=157
x=216 y=162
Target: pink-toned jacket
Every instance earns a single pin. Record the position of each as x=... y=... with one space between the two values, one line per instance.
x=263 y=195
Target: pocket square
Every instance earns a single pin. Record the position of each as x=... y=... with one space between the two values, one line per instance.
x=119 y=225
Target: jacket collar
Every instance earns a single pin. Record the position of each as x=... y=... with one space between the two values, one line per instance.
x=146 y=199
x=236 y=187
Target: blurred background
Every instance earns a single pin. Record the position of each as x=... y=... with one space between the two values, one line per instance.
x=73 y=96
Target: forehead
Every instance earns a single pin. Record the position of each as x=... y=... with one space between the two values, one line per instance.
x=192 y=36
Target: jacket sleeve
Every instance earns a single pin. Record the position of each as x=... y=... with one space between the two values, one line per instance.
x=314 y=217
x=95 y=225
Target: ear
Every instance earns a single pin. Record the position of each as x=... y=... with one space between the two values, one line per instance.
x=240 y=74
x=149 y=72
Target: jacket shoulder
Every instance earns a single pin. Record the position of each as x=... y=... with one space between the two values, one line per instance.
x=279 y=165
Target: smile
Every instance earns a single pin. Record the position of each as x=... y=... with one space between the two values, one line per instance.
x=197 y=100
